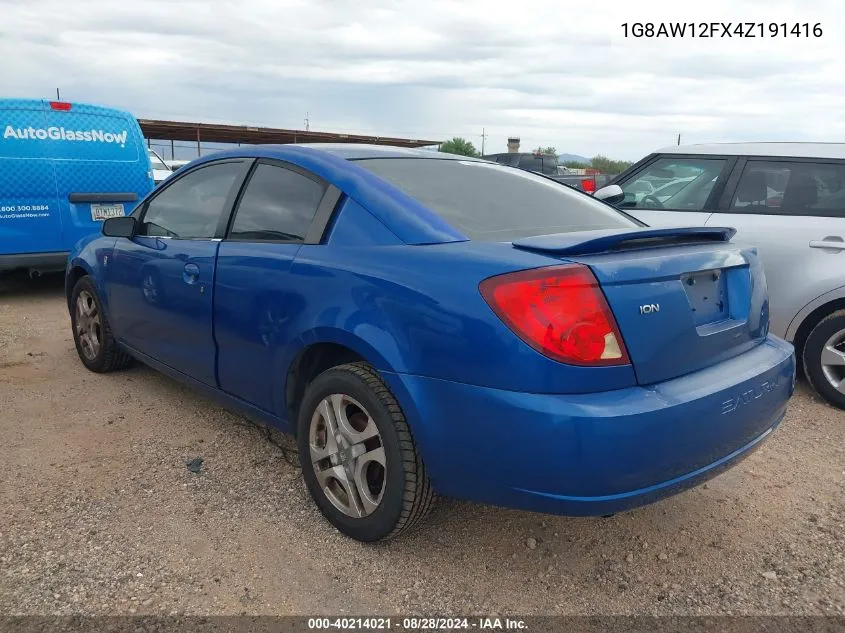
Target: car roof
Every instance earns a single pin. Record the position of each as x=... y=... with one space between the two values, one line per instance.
x=532 y=154
x=342 y=151
x=781 y=149
x=76 y=107
x=354 y=151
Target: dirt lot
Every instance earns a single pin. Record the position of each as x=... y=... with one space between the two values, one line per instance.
x=100 y=515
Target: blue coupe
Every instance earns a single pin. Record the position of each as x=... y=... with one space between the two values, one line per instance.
x=435 y=324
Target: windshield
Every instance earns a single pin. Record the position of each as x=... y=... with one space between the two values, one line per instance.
x=682 y=184
x=489 y=202
x=156 y=162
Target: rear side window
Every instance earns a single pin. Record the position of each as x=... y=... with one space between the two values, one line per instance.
x=791 y=188
x=511 y=160
x=278 y=205
x=531 y=163
x=488 y=202
x=191 y=207
x=677 y=184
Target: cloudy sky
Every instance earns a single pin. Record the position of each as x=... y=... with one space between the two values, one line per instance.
x=554 y=72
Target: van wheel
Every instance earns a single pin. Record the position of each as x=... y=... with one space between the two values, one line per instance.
x=824 y=358
x=359 y=460
x=92 y=335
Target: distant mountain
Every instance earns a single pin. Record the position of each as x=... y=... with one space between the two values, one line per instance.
x=571 y=158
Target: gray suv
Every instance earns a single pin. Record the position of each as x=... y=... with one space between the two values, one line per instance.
x=788 y=199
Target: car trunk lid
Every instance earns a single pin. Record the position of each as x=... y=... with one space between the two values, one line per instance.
x=683 y=298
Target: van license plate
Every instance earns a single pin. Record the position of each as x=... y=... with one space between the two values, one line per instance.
x=106 y=211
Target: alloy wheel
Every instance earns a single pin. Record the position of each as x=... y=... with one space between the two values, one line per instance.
x=89 y=328
x=347 y=453
x=833 y=361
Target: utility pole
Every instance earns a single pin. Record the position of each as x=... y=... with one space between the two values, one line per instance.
x=307 y=123
x=483 y=138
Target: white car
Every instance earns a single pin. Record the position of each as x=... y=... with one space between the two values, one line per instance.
x=665 y=192
x=176 y=165
x=160 y=169
x=787 y=199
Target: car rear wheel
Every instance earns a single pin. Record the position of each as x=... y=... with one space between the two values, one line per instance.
x=359 y=460
x=92 y=335
x=824 y=358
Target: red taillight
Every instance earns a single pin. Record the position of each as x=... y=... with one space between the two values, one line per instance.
x=560 y=311
x=588 y=185
x=64 y=106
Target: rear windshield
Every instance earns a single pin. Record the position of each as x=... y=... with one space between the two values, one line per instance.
x=542 y=164
x=492 y=203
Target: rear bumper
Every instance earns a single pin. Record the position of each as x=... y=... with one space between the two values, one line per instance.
x=600 y=453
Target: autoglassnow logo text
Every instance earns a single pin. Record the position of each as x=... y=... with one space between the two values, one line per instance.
x=63 y=134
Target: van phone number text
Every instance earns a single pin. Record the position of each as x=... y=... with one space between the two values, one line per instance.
x=24 y=207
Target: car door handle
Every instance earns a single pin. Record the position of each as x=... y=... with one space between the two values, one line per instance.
x=833 y=243
x=191 y=273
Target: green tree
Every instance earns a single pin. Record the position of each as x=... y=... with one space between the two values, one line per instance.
x=546 y=150
x=459 y=146
x=609 y=166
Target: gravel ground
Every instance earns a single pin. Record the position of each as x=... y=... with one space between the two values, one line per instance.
x=101 y=516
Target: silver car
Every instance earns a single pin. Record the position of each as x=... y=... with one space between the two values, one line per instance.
x=160 y=169
x=788 y=199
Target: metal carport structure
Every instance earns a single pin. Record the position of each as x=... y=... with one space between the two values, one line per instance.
x=244 y=134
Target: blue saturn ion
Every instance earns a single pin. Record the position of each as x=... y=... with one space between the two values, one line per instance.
x=429 y=324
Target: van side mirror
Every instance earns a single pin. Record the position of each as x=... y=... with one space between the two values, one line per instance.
x=612 y=194
x=119 y=227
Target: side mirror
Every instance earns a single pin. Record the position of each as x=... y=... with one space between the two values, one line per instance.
x=612 y=194
x=119 y=227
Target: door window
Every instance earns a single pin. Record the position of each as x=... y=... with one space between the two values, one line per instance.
x=192 y=206
x=278 y=205
x=791 y=188
x=677 y=184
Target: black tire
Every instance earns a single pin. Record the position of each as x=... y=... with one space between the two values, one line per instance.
x=407 y=495
x=109 y=356
x=812 y=357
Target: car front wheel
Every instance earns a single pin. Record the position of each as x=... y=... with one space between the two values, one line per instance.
x=359 y=460
x=92 y=335
x=824 y=358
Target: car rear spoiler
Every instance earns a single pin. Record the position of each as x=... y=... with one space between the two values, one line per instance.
x=587 y=242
